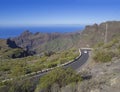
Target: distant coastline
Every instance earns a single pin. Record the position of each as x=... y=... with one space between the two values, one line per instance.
x=6 y=32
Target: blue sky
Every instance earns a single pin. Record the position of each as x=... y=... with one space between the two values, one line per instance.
x=50 y=12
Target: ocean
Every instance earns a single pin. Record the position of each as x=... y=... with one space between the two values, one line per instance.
x=8 y=32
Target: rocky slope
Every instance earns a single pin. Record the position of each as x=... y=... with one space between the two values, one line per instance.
x=92 y=34
x=99 y=78
x=41 y=42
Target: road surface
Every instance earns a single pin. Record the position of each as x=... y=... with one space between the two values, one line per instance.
x=79 y=62
x=74 y=65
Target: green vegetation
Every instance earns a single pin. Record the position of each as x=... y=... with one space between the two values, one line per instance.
x=18 y=85
x=21 y=66
x=13 y=53
x=103 y=56
x=98 y=45
x=17 y=70
x=111 y=43
x=105 y=52
x=59 y=76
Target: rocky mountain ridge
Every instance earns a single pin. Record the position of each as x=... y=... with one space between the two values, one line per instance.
x=91 y=35
x=41 y=42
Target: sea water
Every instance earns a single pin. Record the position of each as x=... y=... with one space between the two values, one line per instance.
x=6 y=32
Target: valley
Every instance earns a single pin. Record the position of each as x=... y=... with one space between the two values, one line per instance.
x=33 y=52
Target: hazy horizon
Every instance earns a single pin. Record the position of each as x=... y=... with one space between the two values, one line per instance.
x=6 y=32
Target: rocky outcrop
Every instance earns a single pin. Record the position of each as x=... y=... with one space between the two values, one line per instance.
x=9 y=49
x=11 y=43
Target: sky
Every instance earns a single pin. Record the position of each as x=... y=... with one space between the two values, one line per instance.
x=57 y=12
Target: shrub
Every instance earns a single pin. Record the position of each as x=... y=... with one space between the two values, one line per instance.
x=52 y=65
x=111 y=43
x=103 y=56
x=99 y=44
x=49 y=53
x=62 y=60
x=108 y=45
x=59 y=76
x=14 y=53
x=17 y=71
x=19 y=86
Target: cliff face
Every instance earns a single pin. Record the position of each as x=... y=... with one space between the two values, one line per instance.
x=92 y=34
x=96 y=33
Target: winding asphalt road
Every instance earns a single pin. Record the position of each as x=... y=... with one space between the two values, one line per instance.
x=74 y=65
x=80 y=61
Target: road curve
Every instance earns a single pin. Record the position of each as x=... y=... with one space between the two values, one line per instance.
x=74 y=65
x=80 y=61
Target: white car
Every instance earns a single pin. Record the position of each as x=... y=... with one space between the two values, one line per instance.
x=85 y=51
